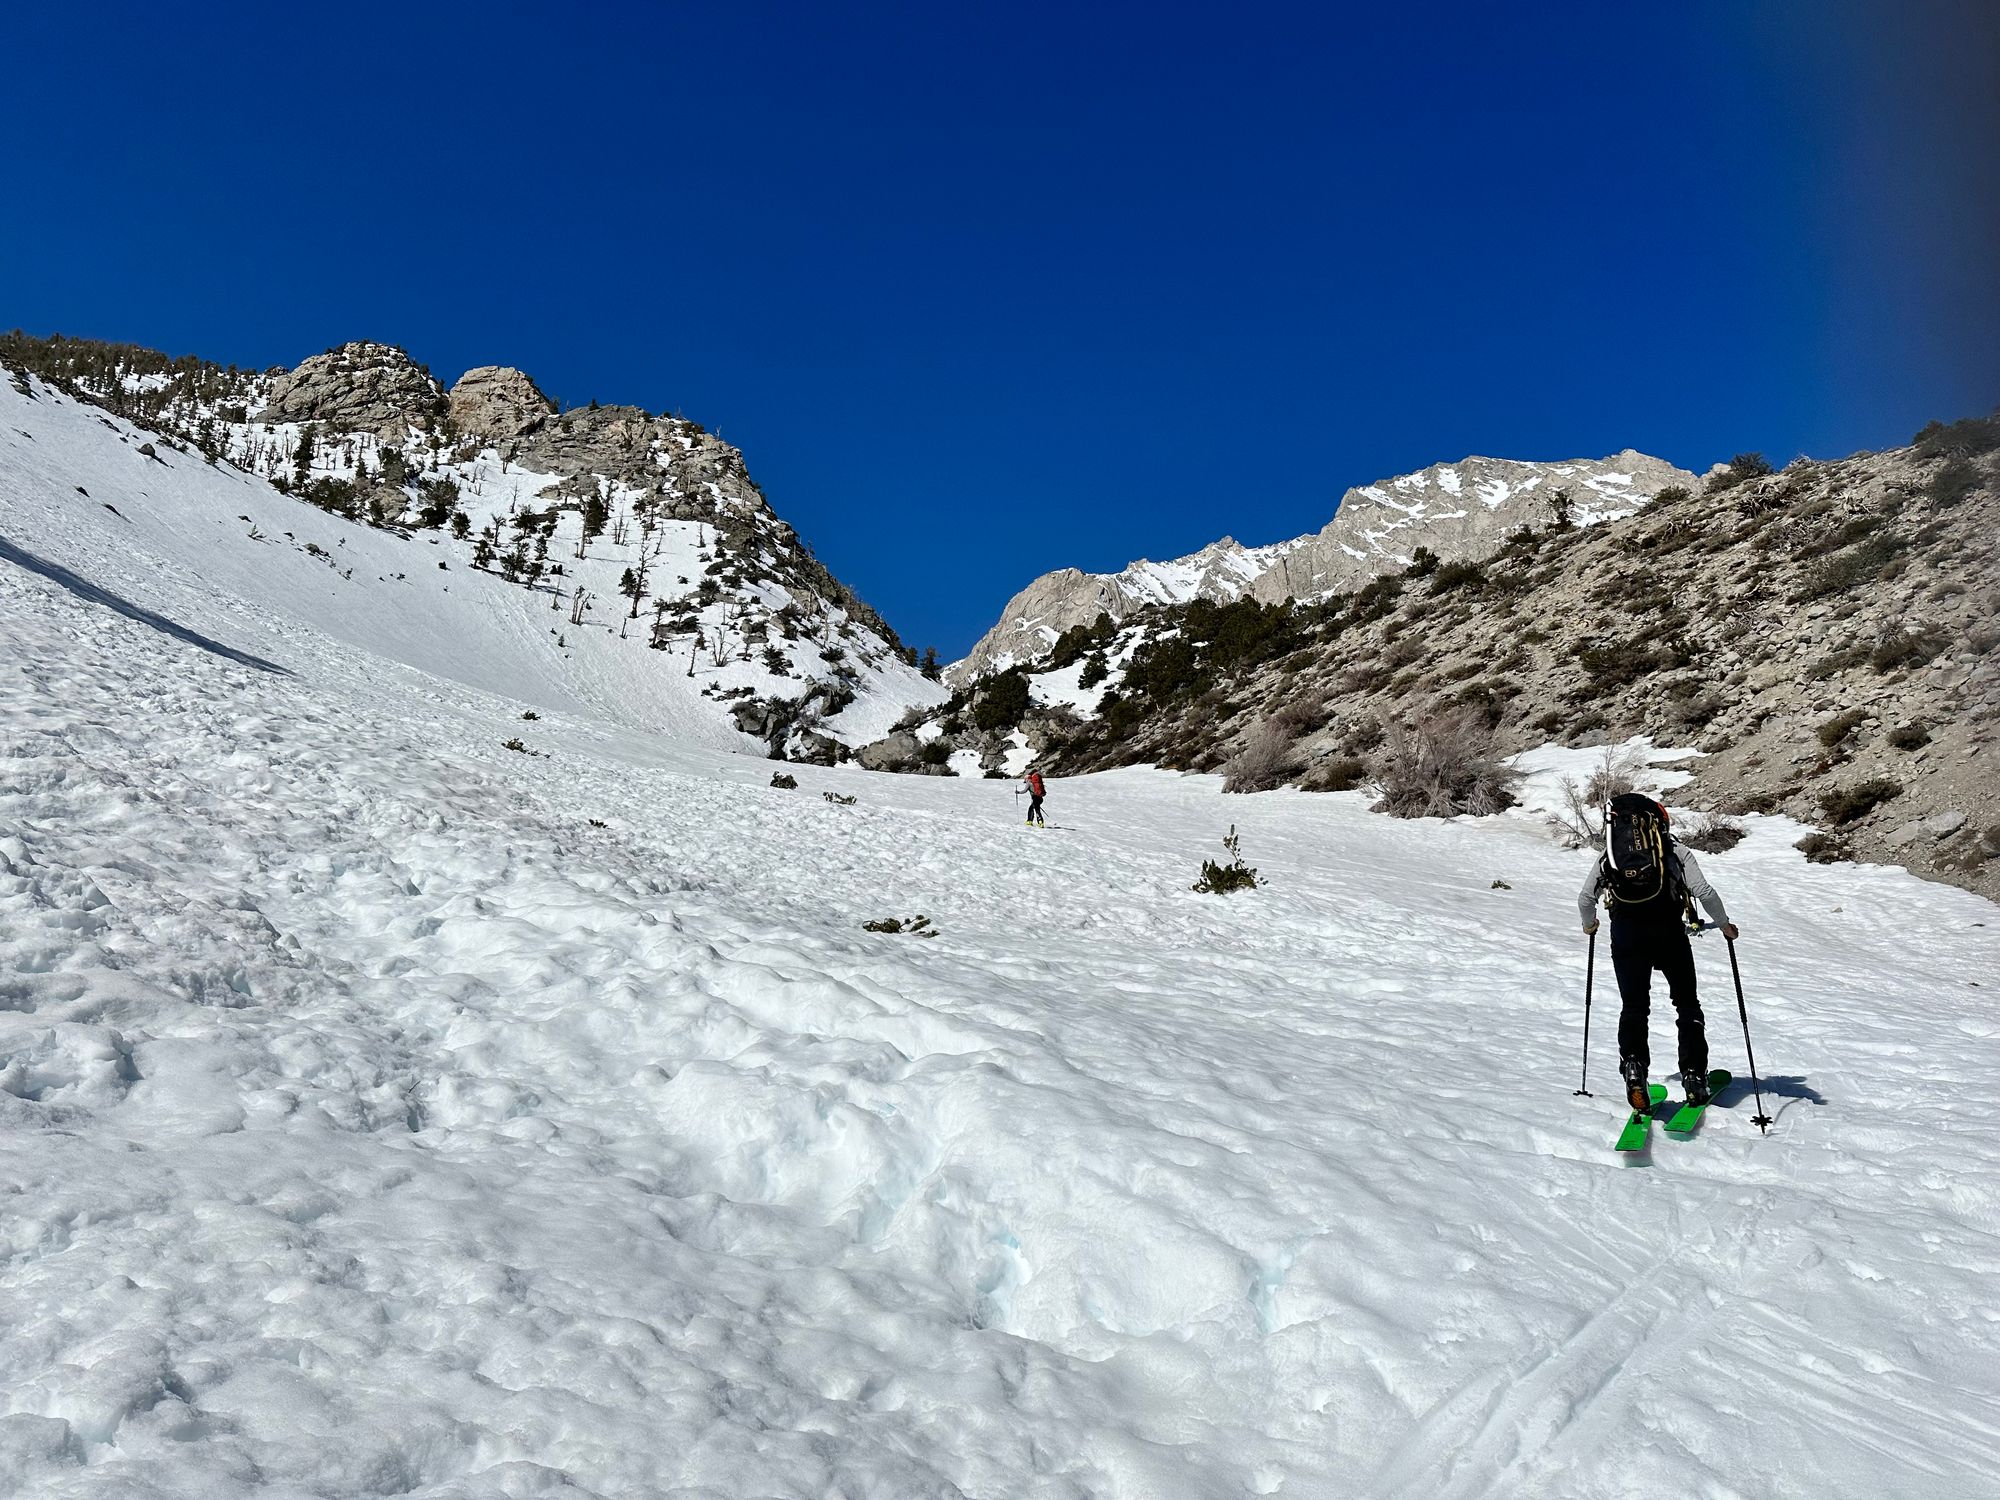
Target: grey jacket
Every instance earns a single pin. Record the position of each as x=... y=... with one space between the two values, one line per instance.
x=1691 y=876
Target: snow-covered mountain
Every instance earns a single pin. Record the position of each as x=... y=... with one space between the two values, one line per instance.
x=1458 y=511
x=604 y=557
x=404 y=1095
x=1825 y=634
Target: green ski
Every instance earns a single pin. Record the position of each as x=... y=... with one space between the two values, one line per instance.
x=1638 y=1127
x=1689 y=1115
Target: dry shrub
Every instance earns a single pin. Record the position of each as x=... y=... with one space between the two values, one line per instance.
x=1904 y=648
x=1263 y=761
x=1848 y=803
x=1840 y=726
x=1441 y=766
x=1301 y=716
x=1580 y=819
x=1823 y=849
x=1336 y=773
x=1711 y=833
x=1363 y=736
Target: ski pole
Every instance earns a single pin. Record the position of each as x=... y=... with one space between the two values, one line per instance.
x=1589 y=969
x=1761 y=1120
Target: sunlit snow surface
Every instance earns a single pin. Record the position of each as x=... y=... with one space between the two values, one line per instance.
x=372 y=1123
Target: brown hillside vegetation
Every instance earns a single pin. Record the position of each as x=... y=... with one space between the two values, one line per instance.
x=1826 y=634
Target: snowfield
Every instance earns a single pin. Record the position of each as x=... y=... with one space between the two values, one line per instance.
x=387 y=1112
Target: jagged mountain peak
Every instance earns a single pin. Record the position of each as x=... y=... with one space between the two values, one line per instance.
x=630 y=531
x=1822 y=636
x=498 y=402
x=1458 y=510
x=361 y=386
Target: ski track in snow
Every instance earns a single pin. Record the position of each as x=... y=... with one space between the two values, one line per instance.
x=371 y=1123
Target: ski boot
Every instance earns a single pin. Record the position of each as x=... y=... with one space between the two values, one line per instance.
x=1695 y=1081
x=1636 y=1095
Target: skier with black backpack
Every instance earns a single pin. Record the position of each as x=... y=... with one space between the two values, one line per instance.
x=1650 y=885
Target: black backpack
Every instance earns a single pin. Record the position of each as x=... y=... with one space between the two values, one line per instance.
x=1639 y=864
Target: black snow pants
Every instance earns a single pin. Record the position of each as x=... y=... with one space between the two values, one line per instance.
x=1034 y=809
x=1638 y=948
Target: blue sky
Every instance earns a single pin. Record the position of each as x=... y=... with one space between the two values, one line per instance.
x=985 y=290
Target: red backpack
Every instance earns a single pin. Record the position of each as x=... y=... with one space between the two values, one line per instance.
x=1035 y=783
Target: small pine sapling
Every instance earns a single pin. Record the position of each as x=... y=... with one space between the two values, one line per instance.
x=917 y=926
x=1218 y=879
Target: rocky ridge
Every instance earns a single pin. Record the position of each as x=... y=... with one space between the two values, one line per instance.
x=1825 y=635
x=1457 y=511
x=359 y=387
x=498 y=403
x=367 y=433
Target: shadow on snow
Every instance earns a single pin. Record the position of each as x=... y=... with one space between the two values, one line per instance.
x=84 y=589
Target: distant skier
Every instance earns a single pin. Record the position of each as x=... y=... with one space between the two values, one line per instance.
x=1650 y=883
x=1037 y=789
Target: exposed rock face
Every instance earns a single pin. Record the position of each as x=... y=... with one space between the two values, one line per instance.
x=629 y=443
x=897 y=752
x=1459 y=511
x=729 y=583
x=1826 y=636
x=498 y=402
x=358 y=387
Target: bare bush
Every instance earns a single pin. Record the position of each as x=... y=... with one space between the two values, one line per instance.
x=1263 y=761
x=1580 y=819
x=1840 y=726
x=1711 y=833
x=1301 y=716
x=1441 y=766
x=1335 y=773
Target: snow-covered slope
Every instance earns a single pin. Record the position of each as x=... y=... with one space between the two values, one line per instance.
x=171 y=532
x=1457 y=510
x=383 y=1111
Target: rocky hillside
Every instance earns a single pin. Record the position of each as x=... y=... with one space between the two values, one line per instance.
x=641 y=524
x=1826 y=635
x=1456 y=511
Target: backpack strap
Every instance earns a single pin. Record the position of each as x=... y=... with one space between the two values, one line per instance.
x=1683 y=897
